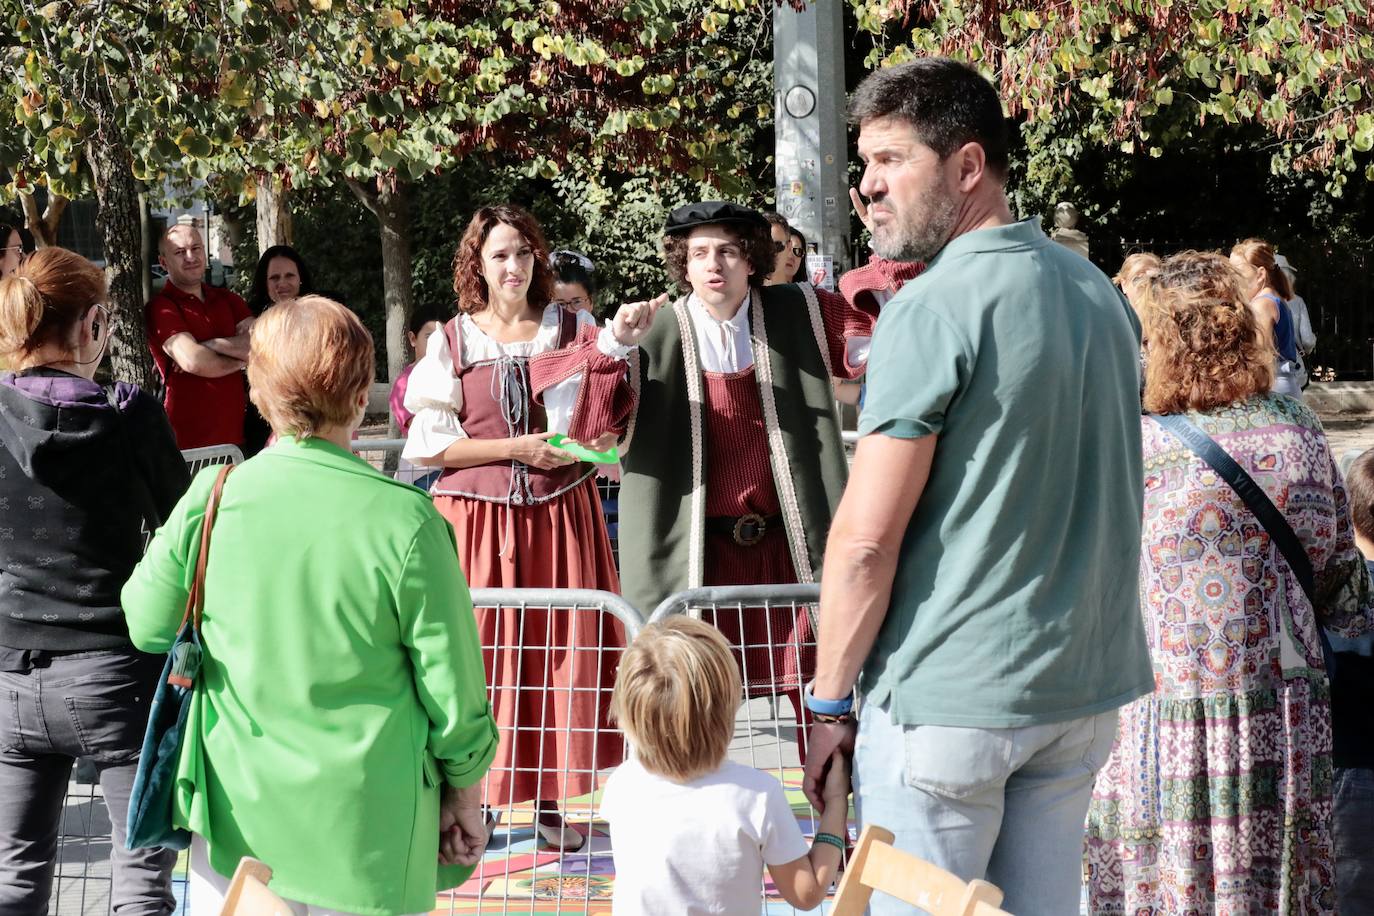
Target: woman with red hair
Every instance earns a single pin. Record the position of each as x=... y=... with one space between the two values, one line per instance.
x=504 y=375
x=1216 y=797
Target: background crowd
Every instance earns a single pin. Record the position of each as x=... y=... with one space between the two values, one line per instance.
x=1021 y=447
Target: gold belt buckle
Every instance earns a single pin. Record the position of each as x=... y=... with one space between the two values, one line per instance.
x=749 y=529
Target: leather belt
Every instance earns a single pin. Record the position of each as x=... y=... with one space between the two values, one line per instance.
x=746 y=530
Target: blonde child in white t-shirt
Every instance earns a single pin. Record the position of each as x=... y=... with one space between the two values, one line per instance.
x=691 y=831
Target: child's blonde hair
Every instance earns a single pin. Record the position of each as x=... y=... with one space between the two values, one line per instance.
x=676 y=695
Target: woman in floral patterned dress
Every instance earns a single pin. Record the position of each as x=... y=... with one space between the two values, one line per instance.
x=1217 y=795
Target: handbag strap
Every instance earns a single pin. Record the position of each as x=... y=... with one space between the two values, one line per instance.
x=195 y=600
x=1258 y=502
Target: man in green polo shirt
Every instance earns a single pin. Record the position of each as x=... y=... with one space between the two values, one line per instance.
x=981 y=568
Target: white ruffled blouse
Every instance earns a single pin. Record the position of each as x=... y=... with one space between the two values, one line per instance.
x=435 y=395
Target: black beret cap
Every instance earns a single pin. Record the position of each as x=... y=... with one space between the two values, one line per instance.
x=684 y=219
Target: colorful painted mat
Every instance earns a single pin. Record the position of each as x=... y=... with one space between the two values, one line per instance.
x=521 y=876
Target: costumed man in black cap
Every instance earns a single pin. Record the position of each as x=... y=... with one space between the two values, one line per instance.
x=733 y=461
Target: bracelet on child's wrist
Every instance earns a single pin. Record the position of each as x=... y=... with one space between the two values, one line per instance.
x=831 y=840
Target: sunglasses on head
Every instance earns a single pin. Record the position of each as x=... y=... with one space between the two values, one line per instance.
x=566 y=256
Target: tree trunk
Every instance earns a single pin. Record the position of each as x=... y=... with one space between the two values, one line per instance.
x=391 y=205
x=274 y=213
x=147 y=245
x=121 y=231
x=43 y=226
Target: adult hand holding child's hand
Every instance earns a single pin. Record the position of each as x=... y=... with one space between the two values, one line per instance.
x=828 y=739
x=836 y=791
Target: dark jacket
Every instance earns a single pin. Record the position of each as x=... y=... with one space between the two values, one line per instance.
x=1352 y=696
x=662 y=527
x=82 y=484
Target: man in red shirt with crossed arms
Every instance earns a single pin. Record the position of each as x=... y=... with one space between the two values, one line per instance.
x=198 y=335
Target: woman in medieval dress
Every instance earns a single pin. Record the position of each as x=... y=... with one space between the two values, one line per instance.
x=526 y=513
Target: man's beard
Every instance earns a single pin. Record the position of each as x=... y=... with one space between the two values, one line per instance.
x=918 y=236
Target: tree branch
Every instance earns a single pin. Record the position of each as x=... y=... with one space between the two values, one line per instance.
x=368 y=196
x=44 y=225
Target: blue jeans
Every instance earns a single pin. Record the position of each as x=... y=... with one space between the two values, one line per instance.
x=81 y=704
x=1353 y=815
x=1003 y=804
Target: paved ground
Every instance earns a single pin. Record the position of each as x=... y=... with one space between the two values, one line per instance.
x=1348 y=434
x=765 y=738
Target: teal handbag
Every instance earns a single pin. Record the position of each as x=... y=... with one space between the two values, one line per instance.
x=150 y=802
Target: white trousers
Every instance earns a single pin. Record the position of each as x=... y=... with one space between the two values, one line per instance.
x=207 y=887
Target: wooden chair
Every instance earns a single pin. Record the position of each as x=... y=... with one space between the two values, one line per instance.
x=877 y=866
x=248 y=894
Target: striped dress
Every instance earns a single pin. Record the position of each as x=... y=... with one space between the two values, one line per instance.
x=778 y=646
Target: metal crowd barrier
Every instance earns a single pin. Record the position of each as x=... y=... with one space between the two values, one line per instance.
x=771 y=630
x=81 y=879
x=199 y=458
x=551 y=657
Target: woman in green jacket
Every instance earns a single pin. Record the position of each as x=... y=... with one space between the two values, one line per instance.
x=340 y=726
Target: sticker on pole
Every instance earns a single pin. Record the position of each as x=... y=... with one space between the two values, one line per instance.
x=820 y=270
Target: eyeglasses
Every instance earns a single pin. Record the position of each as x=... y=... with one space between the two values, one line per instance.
x=576 y=302
x=5 y=251
x=780 y=247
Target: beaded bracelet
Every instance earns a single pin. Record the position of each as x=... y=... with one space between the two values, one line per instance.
x=831 y=840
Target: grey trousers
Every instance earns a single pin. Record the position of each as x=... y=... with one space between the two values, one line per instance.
x=88 y=704
x=1353 y=813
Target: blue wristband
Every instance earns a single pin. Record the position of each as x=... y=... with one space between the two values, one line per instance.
x=841 y=707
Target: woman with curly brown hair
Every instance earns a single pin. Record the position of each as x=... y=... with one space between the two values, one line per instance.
x=504 y=375
x=1217 y=794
